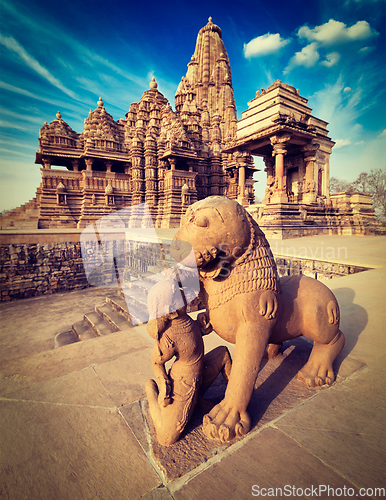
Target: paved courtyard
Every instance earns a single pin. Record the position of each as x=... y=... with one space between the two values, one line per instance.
x=72 y=418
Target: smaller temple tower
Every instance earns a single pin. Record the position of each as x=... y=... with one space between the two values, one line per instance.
x=278 y=126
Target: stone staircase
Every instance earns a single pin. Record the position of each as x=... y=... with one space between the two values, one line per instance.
x=24 y=217
x=119 y=312
x=113 y=315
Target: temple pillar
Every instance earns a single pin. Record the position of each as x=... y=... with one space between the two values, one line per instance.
x=279 y=150
x=46 y=163
x=172 y=162
x=89 y=162
x=75 y=165
x=269 y=168
x=108 y=165
x=241 y=180
x=242 y=164
x=311 y=179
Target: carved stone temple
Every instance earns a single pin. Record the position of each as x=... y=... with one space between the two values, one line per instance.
x=279 y=127
x=170 y=159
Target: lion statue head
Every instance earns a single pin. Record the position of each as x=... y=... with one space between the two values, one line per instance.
x=219 y=237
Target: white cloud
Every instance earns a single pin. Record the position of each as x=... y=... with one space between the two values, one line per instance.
x=336 y=32
x=11 y=44
x=331 y=59
x=347 y=90
x=341 y=143
x=7 y=124
x=308 y=57
x=338 y=108
x=382 y=134
x=51 y=35
x=365 y=50
x=12 y=151
x=332 y=33
x=20 y=117
x=264 y=45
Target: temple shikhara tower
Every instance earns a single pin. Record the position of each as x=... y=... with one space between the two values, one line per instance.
x=170 y=159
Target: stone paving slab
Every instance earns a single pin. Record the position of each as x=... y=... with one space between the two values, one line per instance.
x=345 y=430
x=24 y=372
x=370 y=382
x=269 y=459
x=82 y=387
x=124 y=378
x=69 y=451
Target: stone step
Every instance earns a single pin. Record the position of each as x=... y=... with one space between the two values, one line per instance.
x=119 y=304
x=65 y=338
x=98 y=324
x=144 y=284
x=112 y=317
x=83 y=330
x=137 y=304
x=137 y=293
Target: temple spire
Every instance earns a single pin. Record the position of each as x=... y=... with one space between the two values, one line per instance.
x=209 y=79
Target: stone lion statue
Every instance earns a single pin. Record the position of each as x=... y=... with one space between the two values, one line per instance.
x=247 y=304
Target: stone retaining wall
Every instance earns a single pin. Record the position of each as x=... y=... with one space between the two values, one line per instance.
x=54 y=265
x=31 y=269
x=318 y=269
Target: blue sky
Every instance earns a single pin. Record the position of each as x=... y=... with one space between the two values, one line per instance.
x=63 y=56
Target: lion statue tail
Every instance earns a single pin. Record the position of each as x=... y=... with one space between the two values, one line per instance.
x=333 y=312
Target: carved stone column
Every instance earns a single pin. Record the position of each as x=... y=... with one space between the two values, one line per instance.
x=279 y=150
x=75 y=165
x=89 y=162
x=269 y=168
x=46 y=163
x=310 y=183
x=108 y=165
x=241 y=180
x=172 y=162
x=242 y=163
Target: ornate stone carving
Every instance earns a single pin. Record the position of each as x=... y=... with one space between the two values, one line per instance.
x=173 y=397
x=249 y=306
x=280 y=139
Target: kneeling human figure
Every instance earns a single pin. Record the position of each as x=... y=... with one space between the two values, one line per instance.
x=173 y=399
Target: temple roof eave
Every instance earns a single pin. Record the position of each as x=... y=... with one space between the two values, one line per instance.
x=76 y=155
x=179 y=154
x=258 y=141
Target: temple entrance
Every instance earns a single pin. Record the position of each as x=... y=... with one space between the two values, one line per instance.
x=292 y=182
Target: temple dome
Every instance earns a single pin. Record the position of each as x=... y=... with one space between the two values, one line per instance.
x=211 y=27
